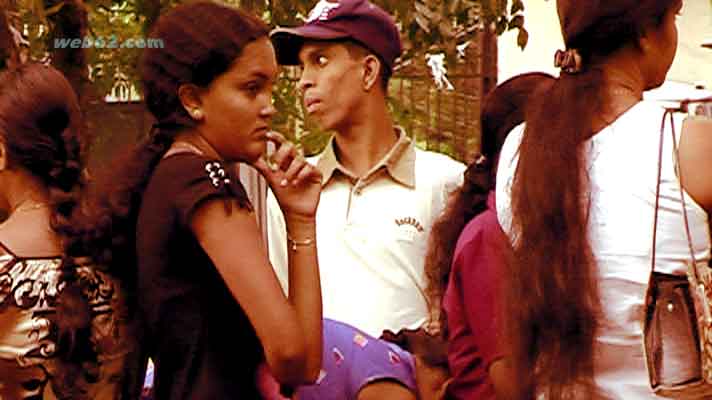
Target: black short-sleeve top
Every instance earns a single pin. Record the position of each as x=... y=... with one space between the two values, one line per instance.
x=203 y=345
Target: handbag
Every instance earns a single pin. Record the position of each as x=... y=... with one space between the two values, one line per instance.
x=677 y=331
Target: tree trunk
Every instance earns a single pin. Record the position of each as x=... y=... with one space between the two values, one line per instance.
x=70 y=22
x=151 y=9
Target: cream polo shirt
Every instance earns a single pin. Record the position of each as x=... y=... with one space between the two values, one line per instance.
x=372 y=235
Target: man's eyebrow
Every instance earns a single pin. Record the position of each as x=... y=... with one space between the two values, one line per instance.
x=306 y=53
x=309 y=52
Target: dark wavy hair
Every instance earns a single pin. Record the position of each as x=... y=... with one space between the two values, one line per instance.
x=40 y=126
x=502 y=110
x=554 y=319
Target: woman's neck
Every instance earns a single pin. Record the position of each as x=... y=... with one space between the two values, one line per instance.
x=195 y=142
x=22 y=193
x=27 y=230
x=623 y=89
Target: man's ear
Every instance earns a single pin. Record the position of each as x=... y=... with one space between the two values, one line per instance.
x=3 y=156
x=371 y=72
x=190 y=99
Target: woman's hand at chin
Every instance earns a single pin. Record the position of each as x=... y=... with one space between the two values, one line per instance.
x=296 y=184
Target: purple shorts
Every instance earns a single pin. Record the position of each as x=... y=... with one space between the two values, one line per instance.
x=352 y=360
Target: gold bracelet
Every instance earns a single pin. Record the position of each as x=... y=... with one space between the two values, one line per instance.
x=296 y=243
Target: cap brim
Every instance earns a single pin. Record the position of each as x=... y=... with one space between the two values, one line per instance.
x=288 y=41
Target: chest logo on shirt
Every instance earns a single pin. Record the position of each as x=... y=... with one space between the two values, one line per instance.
x=393 y=358
x=410 y=221
x=338 y=356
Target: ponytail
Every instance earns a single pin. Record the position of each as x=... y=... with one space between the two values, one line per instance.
x=553 y=338
x=107 y=223
x=65 y=183
x=465 y=203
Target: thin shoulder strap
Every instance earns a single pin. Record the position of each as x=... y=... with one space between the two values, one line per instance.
x=682 y=201
x=7 y=250
x=699 y=283
x=657 y=190
x=683 y=107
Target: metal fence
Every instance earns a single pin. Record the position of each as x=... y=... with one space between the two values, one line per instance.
x=443 y=120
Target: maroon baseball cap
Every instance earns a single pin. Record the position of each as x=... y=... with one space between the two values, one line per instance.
x=358 y=20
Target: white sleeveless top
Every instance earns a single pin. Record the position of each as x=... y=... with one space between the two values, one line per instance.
x=622 y=166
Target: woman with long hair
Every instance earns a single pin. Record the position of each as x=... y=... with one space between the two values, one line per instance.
x=576 y=193
x=176 y=222
x=468 y=250
x=62 y=320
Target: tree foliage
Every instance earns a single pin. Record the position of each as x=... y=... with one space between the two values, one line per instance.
x=427 y=26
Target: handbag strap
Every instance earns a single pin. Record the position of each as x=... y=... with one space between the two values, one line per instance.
x=700 y=286
x=669 y=112
x=678 y=172
x=657 y=193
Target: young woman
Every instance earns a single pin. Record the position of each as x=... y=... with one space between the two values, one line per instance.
x=212 y=306
x=62 y=321
x=467 y=255
x=576 y=193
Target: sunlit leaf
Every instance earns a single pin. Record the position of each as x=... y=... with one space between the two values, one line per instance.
x=516 y=22
x=522 y=38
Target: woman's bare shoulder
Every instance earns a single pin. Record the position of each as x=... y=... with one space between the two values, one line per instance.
x=695 y=160
x=29 y=237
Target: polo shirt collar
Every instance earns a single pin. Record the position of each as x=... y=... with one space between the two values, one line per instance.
x=399 y=162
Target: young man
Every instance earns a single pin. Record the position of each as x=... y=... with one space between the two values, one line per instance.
x=380 y=194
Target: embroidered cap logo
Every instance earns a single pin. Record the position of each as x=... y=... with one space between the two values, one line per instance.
x=321 y=11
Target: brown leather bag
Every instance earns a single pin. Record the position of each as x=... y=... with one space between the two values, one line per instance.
x=677 y=334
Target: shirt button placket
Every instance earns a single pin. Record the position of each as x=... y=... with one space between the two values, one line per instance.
x=353 y=194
